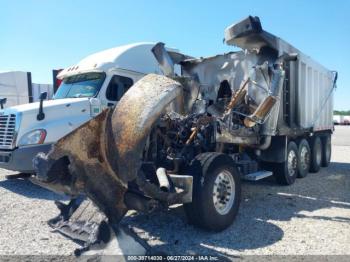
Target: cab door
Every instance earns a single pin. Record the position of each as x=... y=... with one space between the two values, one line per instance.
x=116 y=88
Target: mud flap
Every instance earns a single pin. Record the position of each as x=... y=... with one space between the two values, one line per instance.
x=81 y=221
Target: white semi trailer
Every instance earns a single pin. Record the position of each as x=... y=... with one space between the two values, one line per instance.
x=95 y=83
x=17 y=88
x=341 y=120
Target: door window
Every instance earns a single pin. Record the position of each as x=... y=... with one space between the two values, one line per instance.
x=117 y=87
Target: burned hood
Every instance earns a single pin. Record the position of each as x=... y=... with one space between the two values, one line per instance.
x=104 y=154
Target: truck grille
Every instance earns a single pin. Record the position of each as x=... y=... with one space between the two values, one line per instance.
x=7 y=131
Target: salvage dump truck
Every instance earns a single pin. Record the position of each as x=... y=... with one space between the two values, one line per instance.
x=190 y=139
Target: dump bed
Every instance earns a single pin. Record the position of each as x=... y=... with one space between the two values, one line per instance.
x=307 y=100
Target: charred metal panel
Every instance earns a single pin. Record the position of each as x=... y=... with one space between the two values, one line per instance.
x=89 y=170
x=133 y=119
x=310 y=97
x=248 y=34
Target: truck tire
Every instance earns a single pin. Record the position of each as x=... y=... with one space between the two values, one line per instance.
x=326 y=150
x=316 y=154
x=286 y=172
x=216 y=192
x=304 y=154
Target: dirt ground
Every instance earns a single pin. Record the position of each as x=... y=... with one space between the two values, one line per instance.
x=310 y=217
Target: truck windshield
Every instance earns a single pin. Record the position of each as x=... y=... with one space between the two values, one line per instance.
x=83 y=85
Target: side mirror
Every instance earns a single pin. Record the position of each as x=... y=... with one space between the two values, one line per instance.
x=3 y=102
x=43 y=96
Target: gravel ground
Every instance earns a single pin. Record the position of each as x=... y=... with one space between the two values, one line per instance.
x=310 y=217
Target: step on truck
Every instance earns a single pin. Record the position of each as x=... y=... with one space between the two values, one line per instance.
x=95 y=83
x=190 y=139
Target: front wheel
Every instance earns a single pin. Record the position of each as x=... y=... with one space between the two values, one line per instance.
x=216 y=192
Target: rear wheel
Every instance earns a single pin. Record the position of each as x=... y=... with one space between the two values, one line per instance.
x=286 y=172
x=303 y=158
x=216 y=192
x=316 y=154
x=326 y=150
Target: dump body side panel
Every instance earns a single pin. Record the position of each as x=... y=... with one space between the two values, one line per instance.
x=311 y=87
x=314 y=95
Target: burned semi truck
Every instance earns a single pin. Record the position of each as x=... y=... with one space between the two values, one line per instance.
x=190 y=138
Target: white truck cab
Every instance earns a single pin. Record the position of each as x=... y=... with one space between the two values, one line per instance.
x=96 y=82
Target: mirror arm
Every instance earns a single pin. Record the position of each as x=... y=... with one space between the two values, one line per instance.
x=40 y=116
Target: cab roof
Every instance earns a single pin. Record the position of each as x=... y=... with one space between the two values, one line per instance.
x=136 y=57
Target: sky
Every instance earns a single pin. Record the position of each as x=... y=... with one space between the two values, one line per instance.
x=41 y=35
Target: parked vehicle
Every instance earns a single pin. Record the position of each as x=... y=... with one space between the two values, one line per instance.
x=341 y=120
x=18 y=89
x=265 y=110
x=337 y=119
x=95 y=83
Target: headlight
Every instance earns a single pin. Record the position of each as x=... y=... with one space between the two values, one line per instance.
x=33 y=137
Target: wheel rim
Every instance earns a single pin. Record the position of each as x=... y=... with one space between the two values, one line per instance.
x=304 y=158
x=292 y=163
x=224 y=192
